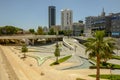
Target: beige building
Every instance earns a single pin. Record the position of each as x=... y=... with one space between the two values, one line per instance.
x=66 y=19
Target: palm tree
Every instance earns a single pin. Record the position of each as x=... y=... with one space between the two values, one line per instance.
x=57 y=53
x=99 y=48
x=108 y=47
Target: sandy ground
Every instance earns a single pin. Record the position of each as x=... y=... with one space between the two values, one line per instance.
x=28 y=69
x=3 y=71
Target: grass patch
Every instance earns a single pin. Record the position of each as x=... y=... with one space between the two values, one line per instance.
x=105 y=65
x=93 y=59
x=110 y=77
x=64 y=58
x=114 y=66
x=61 y=60
x=116 y=57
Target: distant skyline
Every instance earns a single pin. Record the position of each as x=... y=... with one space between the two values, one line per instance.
x=33 y=13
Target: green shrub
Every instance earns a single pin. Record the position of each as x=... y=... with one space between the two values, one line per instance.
x=116 y=57
x=112 y=77
x=106 y=66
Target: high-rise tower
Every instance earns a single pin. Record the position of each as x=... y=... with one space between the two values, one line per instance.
x=66 y=19
x=52 y=16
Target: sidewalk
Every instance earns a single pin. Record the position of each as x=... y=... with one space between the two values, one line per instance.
x=26 y=72
x=3 y=72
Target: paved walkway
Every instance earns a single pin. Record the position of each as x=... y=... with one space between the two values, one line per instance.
x=80 y=51
x=3 y=72
x=29 y=70
x=22 y=70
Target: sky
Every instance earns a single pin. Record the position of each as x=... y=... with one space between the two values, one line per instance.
x=28 y=14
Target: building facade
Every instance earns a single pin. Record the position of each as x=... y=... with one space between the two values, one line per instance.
x=115 y=23
x=78 y=28
x=51 y=16
x=88 y=25
x=99 y=23
x=66 y=19
x=109 y=23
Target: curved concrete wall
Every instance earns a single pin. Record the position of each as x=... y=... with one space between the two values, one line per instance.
x=67 y=44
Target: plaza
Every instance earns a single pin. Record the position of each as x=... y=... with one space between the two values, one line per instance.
x=29 y=69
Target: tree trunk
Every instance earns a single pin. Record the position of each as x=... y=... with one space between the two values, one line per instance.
x=24 y=55
x=56 y=59
x=98 y=68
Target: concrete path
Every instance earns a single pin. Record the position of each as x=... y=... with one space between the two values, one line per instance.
x=3 y=72
x=22 y=70
x=80 y=51
x=29 y=70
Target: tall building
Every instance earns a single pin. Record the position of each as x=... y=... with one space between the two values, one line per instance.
x=66 y=19
x=52 y=16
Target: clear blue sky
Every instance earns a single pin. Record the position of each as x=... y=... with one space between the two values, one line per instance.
x=33 y=13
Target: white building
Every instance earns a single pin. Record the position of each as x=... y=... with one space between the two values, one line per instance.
x=66 y=19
